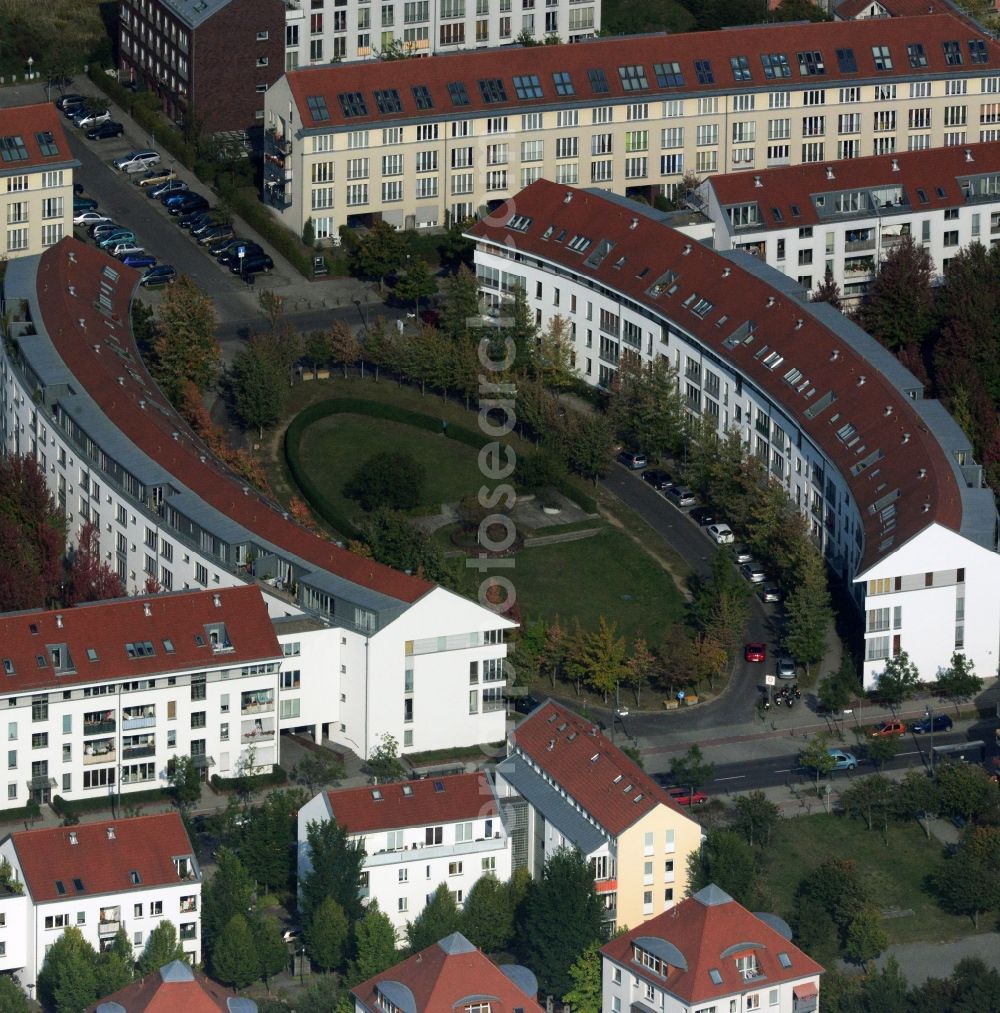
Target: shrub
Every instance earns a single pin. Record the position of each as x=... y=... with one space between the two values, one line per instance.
x=393 y=480
x=276 y=776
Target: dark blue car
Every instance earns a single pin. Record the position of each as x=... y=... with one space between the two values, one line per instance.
x=938 y=723
x=138 y=260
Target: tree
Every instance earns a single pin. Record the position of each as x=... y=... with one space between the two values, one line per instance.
x=600 y=657
x=343 y=345
x=916 y=796
x=90 y=578
x=185 y=348
x=318 y=769
x=439 y=918
x=114 y=967
x=67 y=982
x=162 y=947
x=589 y=442
x=646 y=408
x=809 y=615
x=898 y=309
x=866 y=938
x=839 y=688
x=585 y=995
x=691 y=769
x=828 y=290
x=835 y=887
x=185 y=781
x=393 y=540
x=259 y=384
x=391 y=480
x=380 y=252
x=272 y=950
x=898 y=681
x=552 y=361
x=726 y=860
x=318 y=348
x=228 y=893
x=268 y=848
x=488 y=916
x=882 y=748
x=327 y=934
x=966 y=790
x=375 y=944
x=460 y=310
x=309 y=232
x=235 y=960
x=638 y=668
x=561 y=916
x=12 y=997
x=754 y=817
x=417 y=283
x=335 y=870
x=383 y=761
x=815 y=756
x=968 y=882
x=871 y=797
x=959 y=680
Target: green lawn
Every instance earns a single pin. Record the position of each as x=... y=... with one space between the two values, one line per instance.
x=336 y=445
x=607 y=574
x=895 y=873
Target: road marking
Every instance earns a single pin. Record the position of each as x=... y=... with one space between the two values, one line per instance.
x=735 y=777
x=787 y=770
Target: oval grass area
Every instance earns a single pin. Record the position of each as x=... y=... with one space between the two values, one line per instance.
x=332 y=449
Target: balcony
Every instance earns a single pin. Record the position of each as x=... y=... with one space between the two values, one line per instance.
x=100 y=727
x=415 y=852
x=102 y=751
x=135 y=752
x=109 y=926
x=257 y=706
x=189 y=904
x=859 y=245
x=888 y=242
x=257 y=731
x=602 y=886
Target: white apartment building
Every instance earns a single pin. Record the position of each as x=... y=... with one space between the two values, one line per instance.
x=845 y=218
x=417 y=835
x=709 y=954
x=407 y=658
x=563 y=784
x=417 y=143
x=884 y=476
x=349 y=30
x=128 y=873
x=36 y=180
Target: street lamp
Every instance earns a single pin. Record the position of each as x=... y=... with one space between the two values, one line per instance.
x=357 y=302
x=929 y=715
x=31 y=62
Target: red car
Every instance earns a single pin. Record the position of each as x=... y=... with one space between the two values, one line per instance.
x=885 y=729
x=684 y=796
x=755 y=652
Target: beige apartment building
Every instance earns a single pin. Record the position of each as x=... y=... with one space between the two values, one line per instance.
x=417 y=143
x=36 y=180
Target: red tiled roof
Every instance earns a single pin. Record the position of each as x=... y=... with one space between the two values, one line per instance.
x=129 y=397
x=913 y=462
x=414 y=803
x=913 y=170
x=145 y=844
x=436 y=72
x=591 y=769
x=702 y=928
x=27 y=122
x=440 y=980
x=105 y=628
x=154 y=995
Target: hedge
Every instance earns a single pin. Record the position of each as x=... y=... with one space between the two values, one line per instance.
x=276 y=776
x=66 y=807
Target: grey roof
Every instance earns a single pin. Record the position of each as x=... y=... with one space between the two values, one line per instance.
x=398 y=994
x=773 y=921
x=237 y=1004
x=666 y=951
x=111 y=1007
x=547 y=800
x=522 y=977
x=712 y=895
x=176 y=971
x=456 y=943
x=739 y=947
x=195 y=12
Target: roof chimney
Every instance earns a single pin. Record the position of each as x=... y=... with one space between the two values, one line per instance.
x=888 y=410
x=927 y=507
x=861 y=380
x=111 y=833
x=552 y=744
x=71 y=289
x=121 y=381
x=176 y=435
x=73 y=839
x=726 y=272
x=906 y=437
x=687 y=249
x=634 y=224
x=835 y=355
x=142 y=403
x=82 y=323
x=968 y=155
x=97 y=349
x=799 y=323
x=829 y=172
x=147 y=609
x=59 y=620
x=922 y=473
x=72 y=257
x=217 y=601
x=568 y=197
x=895 y=165
x=758 y=182
x=771 y=301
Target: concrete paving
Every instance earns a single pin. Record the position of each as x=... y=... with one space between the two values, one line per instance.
x=920 y=961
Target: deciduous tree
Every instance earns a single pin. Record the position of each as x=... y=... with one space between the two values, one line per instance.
x=488 y=916
x=959 y=680
x=185 y=348
x=380 y=252
x=809 y=615
x=375 y=944
x=12 y=997
x=335 y=871
x=259 y=386
x=90 y=578
x=866 y=939
x=898 y=681
x=234 y=958
x=754 y=817
x=460 y=312
x=344 y=346
x=691 y=770
x=327 y=934
x=439 y=918
x=417 y=282
x=67 y=982
x=162 y=947
x=828 y=290
x=898 y=308
x=815 y=757
x=228 y=893
x=585 y=995
x=268 y=847
x=392 y=480
x=871 y=798
x=726 y=860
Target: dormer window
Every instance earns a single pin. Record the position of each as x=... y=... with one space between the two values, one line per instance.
x=647 y=960
x=748 y=967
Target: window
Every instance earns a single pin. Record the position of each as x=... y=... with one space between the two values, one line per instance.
x=387 y=100
x=775 y=65
x=740 y=67
x=633 y=77
x=492 y=89
x=703 y=71
x=528 y=86
x=598 y=82
x=668 y=75
x=811 y=63
x=459 y=96
x=952 y=53
x=880 y=54
x=846 y=62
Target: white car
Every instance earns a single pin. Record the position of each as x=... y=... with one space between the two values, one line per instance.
x=90 y=218
x=753 y=572
x=124 y=249
x=722 y=533
x=92 y=120
x=137 y=161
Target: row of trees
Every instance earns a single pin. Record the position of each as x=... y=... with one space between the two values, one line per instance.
x=900 y=679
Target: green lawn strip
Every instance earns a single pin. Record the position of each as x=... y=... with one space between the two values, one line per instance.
x=605 y=575
x=564 y=529
x=474 y=754
x=895 y=874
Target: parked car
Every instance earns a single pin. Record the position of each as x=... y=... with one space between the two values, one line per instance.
x=786 y=667
x=222 y=246
x=742 y=553
x=186 y=203
x=162 y=274
x=658 y=479
x=71 y=109
x=109 y=128
x=755 y=652
x=194 y=218
x=721 y=533
x=770 y=592
x=753 y=572
x=887 y=729
x=116 y=238
x=137 y=260
x=89 y=217
x=526 y=704
x=215 y=234
x=232 y=255
x=126 y=246
x=842 y=759
x=98 y=232
x=155 y=177
x=682 y=496
x=83 y=204
x=938 y=723
x=687 y=796
x=72 y=98
x=254 y=264
x=175 y=194
x=206 y=223
x=633 y=459
x=167 y=186
x=89 y=120
x=703 y=516
x=137 y=161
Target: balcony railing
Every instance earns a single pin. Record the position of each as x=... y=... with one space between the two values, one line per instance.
x=108 y=756
x=256 y=734
x=257 y=708
x=859 y=245
x=129 y=724
x=108 y=928
x=134 y=752
x=98 y=727
x=890 y=241
x=430 y=851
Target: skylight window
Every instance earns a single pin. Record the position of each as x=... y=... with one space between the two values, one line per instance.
x=439 y=786
x=527 y=86
x=168 y=645
x=775 y=65
x=492 y=89
x=784 y=959
x=47 y=143
x=977 y=51
x=459 y=96
x=12 y=149
x=352 y=103
x=60 y=887
x=595 y=757
x=598 y=82
x=741 y=68
x=317 y=108
x=880 y=54
x=387 y=100
x=617 y=779
x=668 y=75
x=40 y=661
x=811 y=63
x=776 y=213
x=952 y=53
x=774 y=360
x=846 y=61
x=922 y=195
x=422 y=96
x=548 y=232
x=715 y=976
x=563 y=82
x=519 y=223
x=78 y=885
x=376 y=795
x=918 y=57
x=703 y=70
x=633 y=77
x=408 y=790
x=578 y=244
x=8 y=666
x=135 y=877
